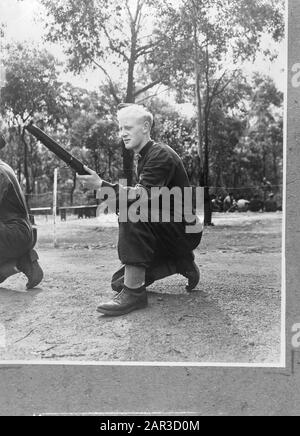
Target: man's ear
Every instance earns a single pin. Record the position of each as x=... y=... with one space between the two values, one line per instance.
x=146 y=127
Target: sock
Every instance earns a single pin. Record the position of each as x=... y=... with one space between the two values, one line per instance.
x=134 y=277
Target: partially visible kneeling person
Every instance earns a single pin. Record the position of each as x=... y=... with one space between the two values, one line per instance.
x=149 y=250
x=17 y=238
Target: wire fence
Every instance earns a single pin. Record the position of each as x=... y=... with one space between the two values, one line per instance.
x=71 y=206
x=64 y=199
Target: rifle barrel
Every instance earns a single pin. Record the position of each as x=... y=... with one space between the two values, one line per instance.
x=55 y=148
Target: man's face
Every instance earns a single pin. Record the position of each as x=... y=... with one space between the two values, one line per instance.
x=133 y=131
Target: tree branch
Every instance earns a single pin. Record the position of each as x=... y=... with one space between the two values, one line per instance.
x=146 y=88
x=129 y=11
x=144 y=49
x=154 y=95
x=139 y=6
x=208 y=102
x=223 y=88
x=216 y=90
x=111 y=84
x=138 y=16
x=113 y=47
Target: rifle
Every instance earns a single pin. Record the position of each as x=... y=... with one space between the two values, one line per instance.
x=55 y=148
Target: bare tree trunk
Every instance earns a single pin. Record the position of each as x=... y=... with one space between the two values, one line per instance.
x=127 y=154
x=207 y=199
x=203 y=154
x=218 y=172
x=236 y=178
x=264 y=162
x=130 y=98
x=275 y=169
x=199 y=106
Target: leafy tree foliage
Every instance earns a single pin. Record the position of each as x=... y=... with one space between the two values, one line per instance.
x=197 y=40
x=235 y=140
x=32 y=90
x=108 y=35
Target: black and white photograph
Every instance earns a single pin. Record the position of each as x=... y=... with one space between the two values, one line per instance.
x=142 y=182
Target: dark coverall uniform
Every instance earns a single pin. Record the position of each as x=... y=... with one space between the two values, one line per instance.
x=16 y=233
x=161 y=247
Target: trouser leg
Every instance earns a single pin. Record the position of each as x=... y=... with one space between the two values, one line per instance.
x=161 y=269
x=17 y=253
x=165 y=249
x=7 y=270
x=141 y=244
x=140 y=248
x=15 y=241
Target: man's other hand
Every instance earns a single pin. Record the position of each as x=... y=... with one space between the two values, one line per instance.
x=90 y=182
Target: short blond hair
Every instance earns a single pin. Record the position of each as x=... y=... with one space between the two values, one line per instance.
x=136 y=111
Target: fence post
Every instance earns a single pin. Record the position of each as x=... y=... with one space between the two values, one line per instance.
x=55 y=208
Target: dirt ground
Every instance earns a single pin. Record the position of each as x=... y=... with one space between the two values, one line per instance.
x=234 y=316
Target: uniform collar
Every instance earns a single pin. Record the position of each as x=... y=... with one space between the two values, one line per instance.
x=144 y=150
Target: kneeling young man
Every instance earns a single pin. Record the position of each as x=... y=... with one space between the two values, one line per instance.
x=16 y=233
x=148 y=250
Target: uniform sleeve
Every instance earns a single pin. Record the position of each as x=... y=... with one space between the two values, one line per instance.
x=157 y=172
x=4 y=185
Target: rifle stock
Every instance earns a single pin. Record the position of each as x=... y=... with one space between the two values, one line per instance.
x=55 y=148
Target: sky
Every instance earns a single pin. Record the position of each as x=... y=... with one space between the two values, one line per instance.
x=22 y=21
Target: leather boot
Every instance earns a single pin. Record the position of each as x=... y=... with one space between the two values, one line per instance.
x=30 y=266
x=125 y=302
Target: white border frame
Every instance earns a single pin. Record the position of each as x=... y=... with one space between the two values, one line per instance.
x=283 y=358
